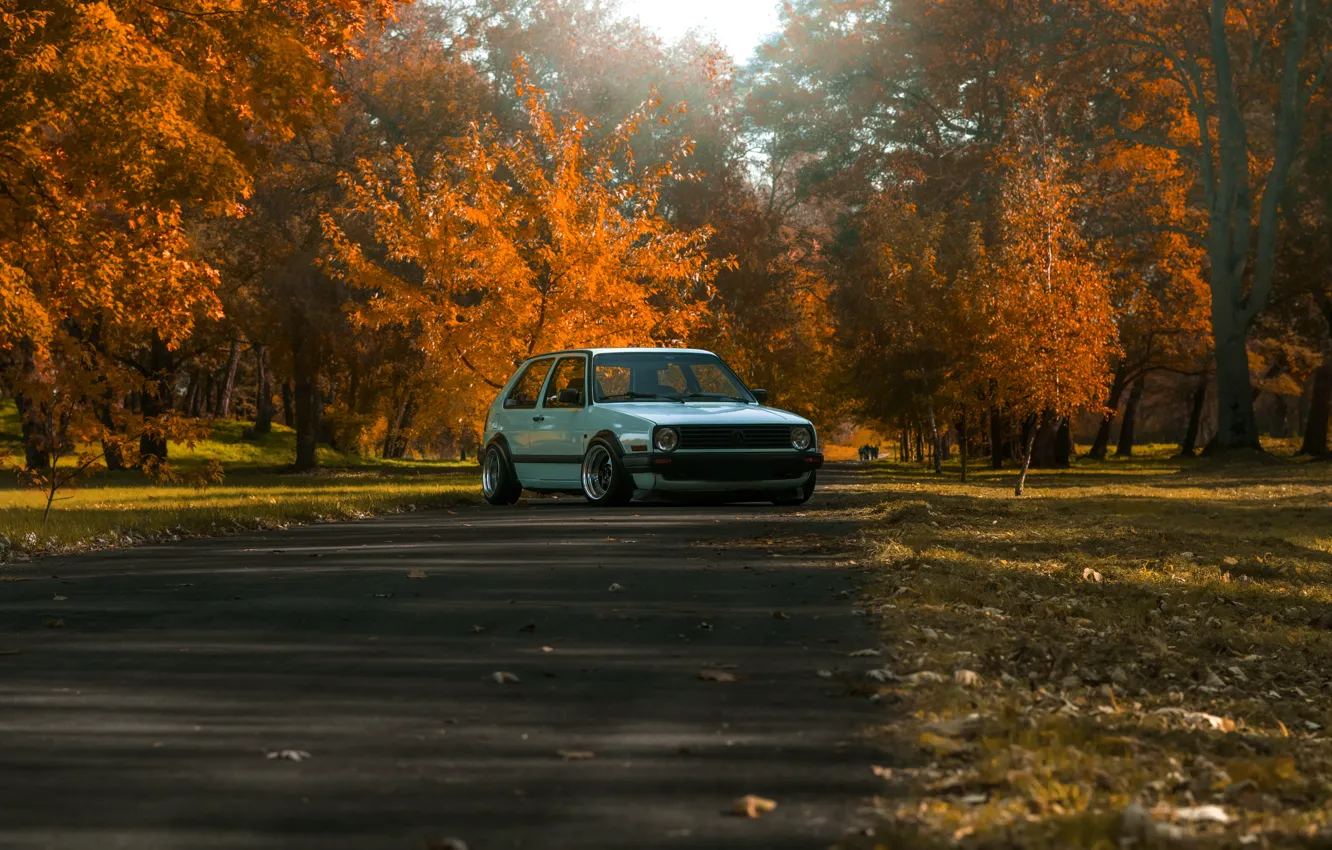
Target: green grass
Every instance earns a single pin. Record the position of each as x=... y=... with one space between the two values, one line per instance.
x=123 y=508
x=1140 y=635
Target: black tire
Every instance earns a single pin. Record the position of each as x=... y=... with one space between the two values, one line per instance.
x=499 y=484
x=605 y=483
x=800 y=494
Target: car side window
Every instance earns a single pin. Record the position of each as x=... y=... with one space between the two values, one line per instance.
x=523 y=395
x=570 y=377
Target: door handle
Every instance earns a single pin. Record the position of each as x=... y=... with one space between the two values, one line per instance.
x=538 y=419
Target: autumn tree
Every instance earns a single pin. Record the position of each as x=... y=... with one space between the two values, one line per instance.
x=123 y=123
x=514 y=244
x=405 y=87
x=1225 y=85
x=1046 y=304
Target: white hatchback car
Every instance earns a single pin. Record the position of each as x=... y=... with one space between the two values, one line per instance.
x=616 y=424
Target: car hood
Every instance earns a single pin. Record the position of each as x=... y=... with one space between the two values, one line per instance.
x=705 y=413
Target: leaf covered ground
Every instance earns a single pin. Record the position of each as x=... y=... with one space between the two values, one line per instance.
x=1135 y=654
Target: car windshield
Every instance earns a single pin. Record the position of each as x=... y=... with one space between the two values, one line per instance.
x=665 y=375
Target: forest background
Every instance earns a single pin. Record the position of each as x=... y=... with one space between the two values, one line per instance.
x=1009 y=226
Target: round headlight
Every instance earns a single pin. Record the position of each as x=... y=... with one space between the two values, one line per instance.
x=668 y=439
x=801 y=437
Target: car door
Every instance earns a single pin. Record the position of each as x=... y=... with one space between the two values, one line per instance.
x=518 y=412
x=556 y=438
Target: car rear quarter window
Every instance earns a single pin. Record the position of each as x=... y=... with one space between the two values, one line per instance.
x=527 y=389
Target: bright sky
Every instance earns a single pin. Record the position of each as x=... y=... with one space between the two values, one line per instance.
x=738 y=24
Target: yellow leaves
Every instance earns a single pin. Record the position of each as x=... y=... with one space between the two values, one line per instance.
x=752 y=806
x=940 y=746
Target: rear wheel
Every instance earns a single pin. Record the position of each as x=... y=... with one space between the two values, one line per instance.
x=605 y=483
x=498 y=483
x=800 y=494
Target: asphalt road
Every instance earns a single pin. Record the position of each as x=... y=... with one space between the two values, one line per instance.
x=145 y=720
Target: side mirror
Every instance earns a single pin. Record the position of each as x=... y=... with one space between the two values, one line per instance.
x=761 y=396
x=569 y=395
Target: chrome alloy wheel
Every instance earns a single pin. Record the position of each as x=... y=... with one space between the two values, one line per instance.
x=492 y=473
x=598 y=472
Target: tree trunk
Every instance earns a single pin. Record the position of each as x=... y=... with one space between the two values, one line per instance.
x=964 y=448
x=1124 y=447
x=33 y=426
x=1026 y=461
x=1280 y=417
x=1063 y=449
x=229 y=381
x=996 y=439
x=1235 y=234
x=1197 y=403
x=157 y=397
x=934 y=441
x=1044 y=451
x=306 y=397
x=191 y=403
x=1102 y=441
x=288 y=405
x=1315 y=433
x=111 y=450
x=263 y=393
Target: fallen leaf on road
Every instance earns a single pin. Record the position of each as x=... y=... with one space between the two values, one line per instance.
x=547 y=649
x=446 y=843
x=616 y=587
x=287 y=755
x=575 y=755
x=416 y=574
x=880 y=771
x=825 y=674
x=780 y=615
x=503 y=678
x=717 y=676
x=54 y=624
x=59 y=598
x=751 y=806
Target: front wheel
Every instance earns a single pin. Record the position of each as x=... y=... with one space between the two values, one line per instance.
x=498 y=483
x=801 y=494
x=605 y=483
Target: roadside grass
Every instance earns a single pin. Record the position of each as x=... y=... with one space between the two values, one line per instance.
x=1136 y=653
x=125 y=508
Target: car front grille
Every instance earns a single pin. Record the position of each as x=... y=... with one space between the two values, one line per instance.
x=735 y=437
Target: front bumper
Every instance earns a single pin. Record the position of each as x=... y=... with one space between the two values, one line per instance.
x=720 y=470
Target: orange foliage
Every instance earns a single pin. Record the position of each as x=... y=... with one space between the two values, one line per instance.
x=525 y=243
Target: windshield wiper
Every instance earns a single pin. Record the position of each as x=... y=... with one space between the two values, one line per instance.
x=632 y=395
x=717 y=396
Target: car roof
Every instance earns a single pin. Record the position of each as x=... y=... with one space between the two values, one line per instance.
x=596 y=351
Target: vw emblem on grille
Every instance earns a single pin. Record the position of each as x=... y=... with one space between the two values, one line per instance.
x=738 y=437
